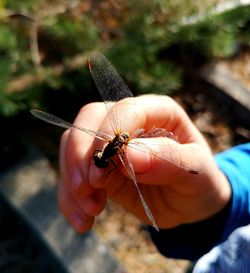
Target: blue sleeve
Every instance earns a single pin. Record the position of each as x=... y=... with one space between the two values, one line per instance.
x=191 y=241
x=235 y=164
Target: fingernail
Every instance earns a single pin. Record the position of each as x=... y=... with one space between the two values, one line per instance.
x=76 y=178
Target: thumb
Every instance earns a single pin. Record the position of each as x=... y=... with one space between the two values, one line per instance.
x=156 y=160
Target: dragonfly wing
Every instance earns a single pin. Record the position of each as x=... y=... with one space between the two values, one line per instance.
x=168 y=158
x=154 y=132
x=64 y=124
x=130 y=170
x=109 y=83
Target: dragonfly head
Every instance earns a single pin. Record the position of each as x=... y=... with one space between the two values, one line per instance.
x=125 y=136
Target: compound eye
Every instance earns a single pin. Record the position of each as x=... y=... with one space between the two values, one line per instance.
x=126 y=135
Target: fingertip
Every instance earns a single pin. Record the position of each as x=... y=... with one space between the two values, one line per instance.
x=81 y=223
x=94 y=204
x=71 y=209
x=76 y=221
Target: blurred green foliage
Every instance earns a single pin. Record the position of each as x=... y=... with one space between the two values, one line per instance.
x=147 y=42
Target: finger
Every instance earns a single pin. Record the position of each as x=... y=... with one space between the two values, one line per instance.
x=71 y=211
x=77 y=154
x=93 y=204
x=165 y=161
x=164 y=112
x=74 y=180
x=150 y=111
x=89 y=200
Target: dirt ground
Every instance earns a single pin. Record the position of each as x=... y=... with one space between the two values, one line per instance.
x=240 y=68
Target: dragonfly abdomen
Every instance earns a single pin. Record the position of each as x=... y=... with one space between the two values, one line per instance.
x=102 y=158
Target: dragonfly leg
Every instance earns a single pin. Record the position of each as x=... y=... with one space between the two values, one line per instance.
x=101 y=163
x=114 y=166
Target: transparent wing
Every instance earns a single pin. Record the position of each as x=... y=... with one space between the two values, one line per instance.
x=64 y=124
x=130 y=170
x=110 y=85
x=168 y=158
x=154 y=132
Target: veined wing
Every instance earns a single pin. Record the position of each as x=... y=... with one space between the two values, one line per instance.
x=130 y=170
x=153 y=132
x=142 y=147
x=64 y=124
x=110 y=85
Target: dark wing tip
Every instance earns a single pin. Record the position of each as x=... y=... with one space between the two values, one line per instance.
x=89 y=64
x=94 y=57
x=35 y=111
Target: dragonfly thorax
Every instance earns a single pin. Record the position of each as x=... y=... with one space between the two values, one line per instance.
x=102 y=158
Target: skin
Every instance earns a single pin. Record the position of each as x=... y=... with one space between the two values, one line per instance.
x=173 y=195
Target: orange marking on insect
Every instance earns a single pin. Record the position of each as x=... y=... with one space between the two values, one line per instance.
x=89 y=64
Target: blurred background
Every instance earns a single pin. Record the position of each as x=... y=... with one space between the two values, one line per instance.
x=177 y=48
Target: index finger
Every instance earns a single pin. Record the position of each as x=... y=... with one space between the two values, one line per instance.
x=164 y=112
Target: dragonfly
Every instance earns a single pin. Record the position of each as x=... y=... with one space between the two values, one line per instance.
x=113 y=89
